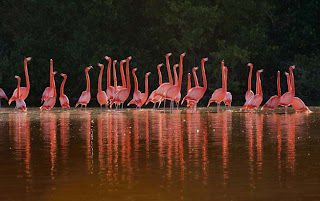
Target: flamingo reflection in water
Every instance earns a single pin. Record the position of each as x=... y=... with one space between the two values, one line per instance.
x=64 y=137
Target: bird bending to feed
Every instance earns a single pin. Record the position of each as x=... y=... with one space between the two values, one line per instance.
x=255 y=101
x=51 y=101
x=196 y=93
x=24 y=91
x=219 y=94
x=274 y=101
x=173 y=91
x=49 y=91
x=2 y=95
x=64 y=101
x=20 y=104
x=101 y=95
x=85 y=96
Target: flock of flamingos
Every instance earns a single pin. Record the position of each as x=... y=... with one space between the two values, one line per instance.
x=117 y=95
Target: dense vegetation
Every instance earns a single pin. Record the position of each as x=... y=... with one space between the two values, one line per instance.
x=75 y=34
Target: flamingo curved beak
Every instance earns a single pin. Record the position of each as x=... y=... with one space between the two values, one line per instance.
x=107 y=58
x=28 y=58
x=195 y=68
x=205 y=59
x=16 y=76
x=183 y=54
x=129 y=58
x=135 y=69
x=169 y=54
x=148 y=73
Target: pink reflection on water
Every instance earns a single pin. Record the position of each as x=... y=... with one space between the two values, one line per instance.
x=64 y=136
x=102 y=161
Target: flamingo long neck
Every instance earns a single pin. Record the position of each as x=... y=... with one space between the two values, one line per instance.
x=278 y=85
x=259 y=84
x=62 y=85
x=54 y=86
x=169 y=70
x=146 y=87
x=128 y=75
x=51 y=73
x=226 y=78
x=100 y=79
x=175 y=76
x=180 y=71
x=189 y=82
x=108 y=73
x=224 y=87
x=18 y=87
x=27 y=75
x=88 y=81
x=135 y=80
x=123 y=79
x=288 y=82
x=293 y=90
x=204 y=77
x=195 y=77
x=160 y=76
x=114 y=75
x=249 y=78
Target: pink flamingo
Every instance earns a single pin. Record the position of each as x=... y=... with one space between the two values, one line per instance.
x=2 y=95
x=164 y=86
x=274 y=101
x=196 y=93
x=178 y=97
x=51 y=101
x=64 y=101
x=123 y=79
x=20 y=104
x=137 y=96
x=24 y=91
x=48 y=92
x=101 y=95
x=85 y=96
x=142 y=97
x=173 y=91
x=249 y=93
x=255 y=101
x=228 y=99
x=110 y=89
x=287 y=98
x=219 y=94
x=154 y=99
x=123 y=94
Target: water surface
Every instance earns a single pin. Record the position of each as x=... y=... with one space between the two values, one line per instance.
x=143 y=154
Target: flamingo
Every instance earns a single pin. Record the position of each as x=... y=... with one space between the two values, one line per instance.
x=101 y=95
x=178 y=97
x=219 y=94
x=110 y=89
x=228 y=99
x=64 y=101
x=196 y=93
x=51 y=101
x=164 y=86
x=2 y=95
x=20 y=104
x=139 y=98
x=173 y=91
x=255 y=101
x=287 y=98
x=249 y=93
x=85 y=96
x=274 y=101
x=123 y=79
x=24 y=91
x=154 y=99
x=123 y=94
x=48 y=92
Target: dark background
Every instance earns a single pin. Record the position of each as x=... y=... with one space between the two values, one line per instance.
x=75 y=33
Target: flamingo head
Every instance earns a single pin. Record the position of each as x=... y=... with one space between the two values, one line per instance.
x=204 y=59
x=260 y=71
x=122 y=62
x=278 y=73
x=175 y=66
x=292 y=67
x=114 y=62
x=89 y=68
x=129 y=58
x=169 y=54
x=250 y=65
x=17 y=77
x=183 y=55
x=225 y=68
x=286 y=73
x=159 y=66
x=222 y=63
x=101 y=65
x=195 y=68
x=134 y=70
x=107 y=58
x=147 y=74
x=63 y=75
x=27 y=59
x=54 y=73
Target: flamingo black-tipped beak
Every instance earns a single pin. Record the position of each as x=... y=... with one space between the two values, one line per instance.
x=196 y=68
x=123 y=61
x=129 y=58
x=28 y=58
x=205 y=59
x=115 y=61
x=135 y=69
x=16 y=76
x=55 y=72
x=183 y=54
x=107 y=58
x=169 y=54
x=148 y=73
x=61 y=74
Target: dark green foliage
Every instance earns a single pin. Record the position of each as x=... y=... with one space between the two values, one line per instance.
x=272 y=35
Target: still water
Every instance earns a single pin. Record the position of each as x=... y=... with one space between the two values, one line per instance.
x=133 y=154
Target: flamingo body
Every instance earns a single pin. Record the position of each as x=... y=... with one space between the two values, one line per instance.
x=64 y=101
x=228 y=99
x=85 y=97
x=3 y=94
x=299 y=105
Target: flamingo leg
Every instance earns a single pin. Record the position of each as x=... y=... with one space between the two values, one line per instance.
x=164 y=104
x=159 y=105
x=218 y=107
x=154 y=106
